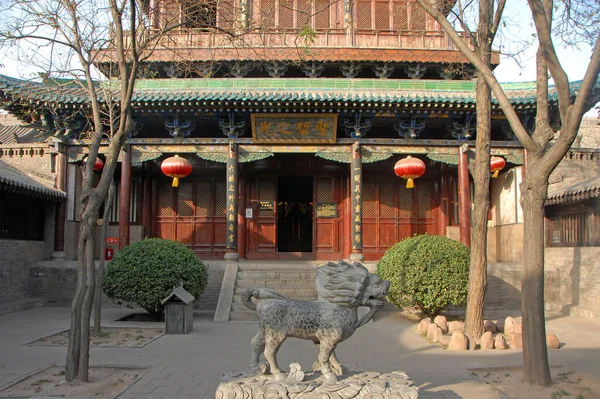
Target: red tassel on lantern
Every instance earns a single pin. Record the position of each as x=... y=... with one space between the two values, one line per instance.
x=98 y=163
x=409 y=169
x=496 y=165
x=176 y=167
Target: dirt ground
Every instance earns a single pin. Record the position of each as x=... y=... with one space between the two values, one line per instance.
x=566 y=384
x=109 y=337
x=105 y=383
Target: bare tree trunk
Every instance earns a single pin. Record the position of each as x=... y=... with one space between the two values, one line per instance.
x=74 y=344
x=100 y=272
x=536 y=370
x=478 y=266
x=86 y=309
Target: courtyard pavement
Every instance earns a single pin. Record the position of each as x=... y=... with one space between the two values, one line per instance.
x=190 y=366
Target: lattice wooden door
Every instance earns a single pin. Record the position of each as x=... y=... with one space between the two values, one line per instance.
x=392 y=212
x=194 y=214
x=261 y=228
x=328 y=230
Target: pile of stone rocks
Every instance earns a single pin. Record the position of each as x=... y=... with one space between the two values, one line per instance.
x=500 y=334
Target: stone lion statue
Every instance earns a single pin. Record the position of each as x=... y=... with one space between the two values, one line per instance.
x=327 y=321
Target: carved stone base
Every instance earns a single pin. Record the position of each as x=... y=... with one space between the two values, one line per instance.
x=357 y=257
x=232 y=256
x=300 y=385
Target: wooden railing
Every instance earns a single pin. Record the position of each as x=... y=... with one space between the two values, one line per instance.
x=330 y=38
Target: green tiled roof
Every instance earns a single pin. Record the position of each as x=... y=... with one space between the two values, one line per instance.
x=282 y=89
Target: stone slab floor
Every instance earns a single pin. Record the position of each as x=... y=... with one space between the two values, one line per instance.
x=190 y=366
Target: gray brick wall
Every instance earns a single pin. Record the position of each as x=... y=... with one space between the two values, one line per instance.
x=16 y=258
x=504 y=285
x=571 y=282
x=575 y=279
x=55 y=282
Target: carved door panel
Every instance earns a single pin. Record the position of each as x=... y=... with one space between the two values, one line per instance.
x=424 y=206
x=328 y=230
x=193 y=214
x=261 y=228
x=392 y=213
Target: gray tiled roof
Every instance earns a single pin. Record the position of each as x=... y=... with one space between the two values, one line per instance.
x=576 y=178
x=13 y=180
x=13 y=131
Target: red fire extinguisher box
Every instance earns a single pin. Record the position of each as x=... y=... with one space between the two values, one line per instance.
x=108 y=253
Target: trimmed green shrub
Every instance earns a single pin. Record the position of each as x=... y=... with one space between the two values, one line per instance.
x=146 y=272
x=430 y=272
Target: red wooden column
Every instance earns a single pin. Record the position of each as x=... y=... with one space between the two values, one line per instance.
x=356 y=197
x=464 y=197
x=61 y=208
x=441 y=199
x=241 y=215
x=124 y=197
x=232 y=204
x=147 y=208
x=445 y=205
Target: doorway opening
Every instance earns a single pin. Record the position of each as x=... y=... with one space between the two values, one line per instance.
x=295 y=214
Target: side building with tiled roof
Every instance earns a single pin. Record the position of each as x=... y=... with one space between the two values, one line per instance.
x=28 y=203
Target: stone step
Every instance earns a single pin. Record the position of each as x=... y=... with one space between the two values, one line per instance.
x=20 y=305
x=288 y=292
x=280 y=265
x=237 y=298
x=302 y=283
x=277 y=275
x=243 y=316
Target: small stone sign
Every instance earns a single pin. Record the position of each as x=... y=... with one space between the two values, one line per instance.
x=327 y=210
x=266 y=205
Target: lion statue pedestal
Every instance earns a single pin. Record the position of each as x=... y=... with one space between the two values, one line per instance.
x=298 y=385
x=332 y=318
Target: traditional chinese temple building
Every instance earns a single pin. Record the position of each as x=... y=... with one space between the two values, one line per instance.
x=292 y=138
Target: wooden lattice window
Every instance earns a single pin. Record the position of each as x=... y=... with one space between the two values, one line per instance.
x=296 y=14
x=226 y=15
x=266 y=193
x=574 y=225
x=135 y=202
x=196 y=14
x=369 y=202
x=392 y=15
x=21 y=218
x=169 y=13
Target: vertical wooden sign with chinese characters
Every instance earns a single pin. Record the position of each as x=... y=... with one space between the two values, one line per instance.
x=232 y=191
x=356 y=184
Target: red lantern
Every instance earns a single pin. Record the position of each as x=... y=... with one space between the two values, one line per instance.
x=409 y=168
x=98 y=164
x=176 y=167
x=496 y=165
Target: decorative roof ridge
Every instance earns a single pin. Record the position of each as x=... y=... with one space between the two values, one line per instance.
x=572 y=196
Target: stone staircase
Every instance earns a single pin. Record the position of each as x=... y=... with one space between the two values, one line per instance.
x=294 y=280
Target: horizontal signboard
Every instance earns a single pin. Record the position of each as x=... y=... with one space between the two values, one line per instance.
x=294 y=128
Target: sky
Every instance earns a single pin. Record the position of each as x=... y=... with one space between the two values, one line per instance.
x=519 y=27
